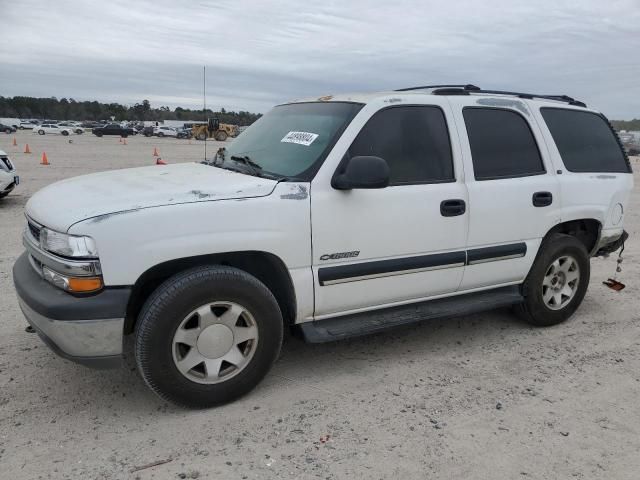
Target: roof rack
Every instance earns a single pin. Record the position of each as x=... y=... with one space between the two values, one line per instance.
x=466 y=87
x=463 y=90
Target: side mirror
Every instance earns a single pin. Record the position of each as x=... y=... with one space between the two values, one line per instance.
x=362 y=172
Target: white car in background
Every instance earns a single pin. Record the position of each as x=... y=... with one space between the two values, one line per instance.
x=74 y=126
x=27 y=125
x=52 y=128
x=8 y=178
x=165 y=132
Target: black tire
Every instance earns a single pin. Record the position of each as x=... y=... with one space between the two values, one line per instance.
x=98 y=134
x=40 y=132
x=160 y=134
x=64 y=133
x=534 y=309
x=166 y=308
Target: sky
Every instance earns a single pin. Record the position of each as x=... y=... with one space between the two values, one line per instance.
x=261 y=53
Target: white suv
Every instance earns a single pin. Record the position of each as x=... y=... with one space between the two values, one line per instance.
x=337 y=216
x=8 y=177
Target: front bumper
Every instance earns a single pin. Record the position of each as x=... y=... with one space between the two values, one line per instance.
x=87 y=330
x=7 y=183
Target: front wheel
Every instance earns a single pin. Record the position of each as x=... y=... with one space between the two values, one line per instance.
x=65 y=133
x=557 y=282
x=207 y=336
x=40 y=132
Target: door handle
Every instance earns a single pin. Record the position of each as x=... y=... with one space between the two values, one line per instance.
x=452 y=208
x=542 y=199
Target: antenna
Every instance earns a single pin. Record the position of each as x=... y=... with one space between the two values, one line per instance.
x=204 y=108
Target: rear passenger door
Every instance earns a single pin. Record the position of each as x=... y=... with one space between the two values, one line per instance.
x=513 y=190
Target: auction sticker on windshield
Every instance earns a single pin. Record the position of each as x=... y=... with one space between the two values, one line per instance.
x=301 y=138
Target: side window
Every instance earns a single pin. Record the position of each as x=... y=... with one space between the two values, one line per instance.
x=585 y=141
x=502 y=144
x=414 y=141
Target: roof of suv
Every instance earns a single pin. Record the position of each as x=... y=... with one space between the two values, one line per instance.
x=445 y=90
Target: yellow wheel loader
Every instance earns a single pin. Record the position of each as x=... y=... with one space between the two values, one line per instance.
x=214 y=129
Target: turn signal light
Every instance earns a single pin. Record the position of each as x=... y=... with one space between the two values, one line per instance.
x=72 y=284
x=85 y=284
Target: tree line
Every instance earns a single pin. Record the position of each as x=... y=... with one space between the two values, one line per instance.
x=629 y=125
x=70 y=109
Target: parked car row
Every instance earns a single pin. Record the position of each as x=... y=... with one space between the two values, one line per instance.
x=631 y=142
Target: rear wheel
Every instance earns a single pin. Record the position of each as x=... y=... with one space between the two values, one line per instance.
x=64 y=133
x=557 y=282
x=40 y=132
x=208 y=336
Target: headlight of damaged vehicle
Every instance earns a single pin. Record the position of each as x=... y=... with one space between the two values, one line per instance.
x=68 y=245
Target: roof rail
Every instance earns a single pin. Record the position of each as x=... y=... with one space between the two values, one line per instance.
x=466 y=87
x=462 y=90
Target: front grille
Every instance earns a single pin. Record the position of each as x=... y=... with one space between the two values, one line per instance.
x=35 y=230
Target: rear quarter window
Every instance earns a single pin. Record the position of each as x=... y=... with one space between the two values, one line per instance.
x=585 y=141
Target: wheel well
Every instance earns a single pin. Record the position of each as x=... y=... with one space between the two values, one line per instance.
x=266 y=267
x=586 y=230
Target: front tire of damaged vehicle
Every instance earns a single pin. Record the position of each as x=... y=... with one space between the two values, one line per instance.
x=207 y=336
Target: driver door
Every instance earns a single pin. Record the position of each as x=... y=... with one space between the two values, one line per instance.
x=379 y=247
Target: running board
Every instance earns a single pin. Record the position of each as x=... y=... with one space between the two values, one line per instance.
x=355 y=325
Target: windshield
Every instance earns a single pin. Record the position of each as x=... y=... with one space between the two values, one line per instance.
x=293 y=140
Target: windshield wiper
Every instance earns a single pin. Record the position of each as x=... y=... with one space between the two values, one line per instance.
x=245 y=160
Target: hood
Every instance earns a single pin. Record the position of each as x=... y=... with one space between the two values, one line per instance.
x=64 y=203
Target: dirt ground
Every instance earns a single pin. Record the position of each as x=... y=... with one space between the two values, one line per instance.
x=484 y=396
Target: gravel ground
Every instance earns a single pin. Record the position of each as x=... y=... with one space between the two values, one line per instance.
x=484 y=396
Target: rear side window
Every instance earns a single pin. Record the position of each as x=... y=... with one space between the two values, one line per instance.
x=585 y=141
x=413 y=140
x=502 y=144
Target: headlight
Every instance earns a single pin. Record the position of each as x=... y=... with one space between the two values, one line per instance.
x=68 y=245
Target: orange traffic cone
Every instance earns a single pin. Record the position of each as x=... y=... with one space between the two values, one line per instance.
x=26 y=148
x=160 y=161
x=155 y=152
x=45 y=160
x=15 y=144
